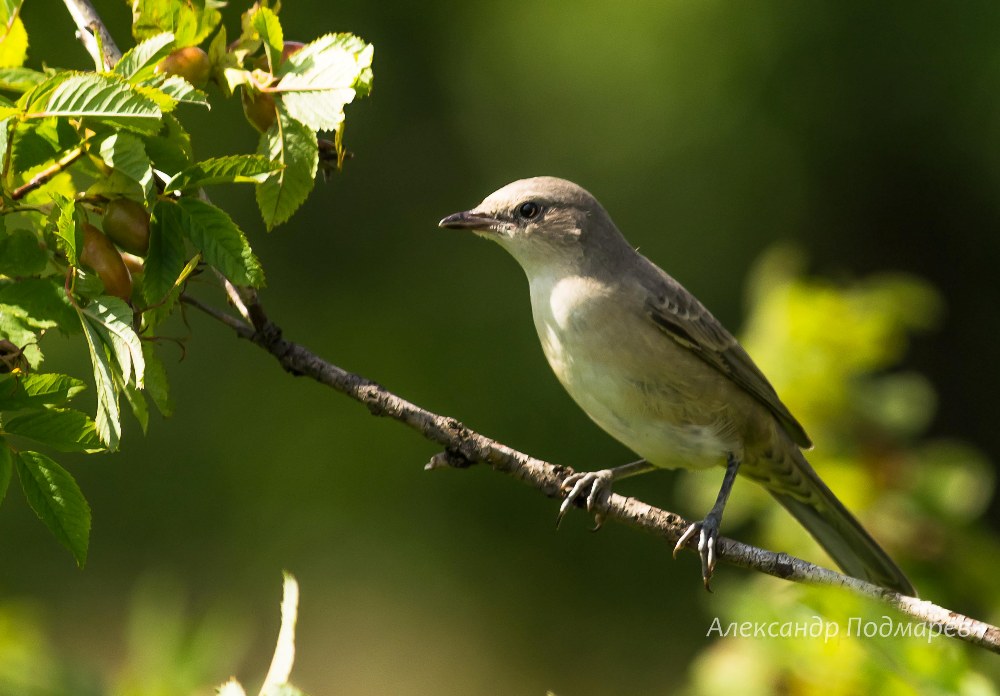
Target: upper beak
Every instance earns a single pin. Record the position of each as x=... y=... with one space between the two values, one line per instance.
x=469 y=220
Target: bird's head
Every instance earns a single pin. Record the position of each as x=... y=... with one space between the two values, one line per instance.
x=541 y=221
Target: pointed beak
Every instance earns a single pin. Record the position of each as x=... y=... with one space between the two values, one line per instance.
x=469 y=220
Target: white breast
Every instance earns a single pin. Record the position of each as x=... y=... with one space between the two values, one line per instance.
x=591 y=347
x=556 y=304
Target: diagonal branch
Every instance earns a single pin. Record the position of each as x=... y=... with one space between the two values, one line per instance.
x=463 y=447
x=93 y=34
x=44 y=176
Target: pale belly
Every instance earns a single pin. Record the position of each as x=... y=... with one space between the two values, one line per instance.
x=634 y=384
x=652 y=421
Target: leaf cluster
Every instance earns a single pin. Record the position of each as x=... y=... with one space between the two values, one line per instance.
x=96 y=162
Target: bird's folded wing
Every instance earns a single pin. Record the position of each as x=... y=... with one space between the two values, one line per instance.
x=685 y=320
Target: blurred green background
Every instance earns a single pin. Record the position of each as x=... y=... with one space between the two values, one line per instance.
x=864 y=135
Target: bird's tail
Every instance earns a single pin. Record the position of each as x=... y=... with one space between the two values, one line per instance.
x=794 y=483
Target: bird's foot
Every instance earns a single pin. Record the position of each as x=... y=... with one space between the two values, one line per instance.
x=595 y=484
x=708 y=533
x=708 y=528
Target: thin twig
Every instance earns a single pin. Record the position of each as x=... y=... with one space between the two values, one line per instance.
x=93 y=34
x=464 y=447
x=43 y=176
x=232 y=322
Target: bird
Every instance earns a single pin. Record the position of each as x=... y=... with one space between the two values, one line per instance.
x=650 y=365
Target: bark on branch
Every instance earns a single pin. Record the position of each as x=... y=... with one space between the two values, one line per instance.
x=93 y=34
x=463 y=447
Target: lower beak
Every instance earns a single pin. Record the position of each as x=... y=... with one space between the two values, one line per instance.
x=469 y=220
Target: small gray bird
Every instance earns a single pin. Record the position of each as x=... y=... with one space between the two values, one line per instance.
x=651 y=366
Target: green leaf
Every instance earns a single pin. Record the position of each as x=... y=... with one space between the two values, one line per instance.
x=227 y=62
x=61 y=183
x=105 y=98
x=64 y=429
x=221 y=242
x=155 y=314
x=20 y=79
x=6 y=126
x=45 y=88
x=268 y=28
x=28 y=306
x=137 y=402
x=319 y=80
x=57 y=500
x=167 y=91
x=321 y=110
x=6 y=468
x=39 y=143
x=363 y=85
x=87 y=284
x=180 y=90
x=293 y=145
x=66 y=225
x=320 y=63
x=192 y=21
x=17 y=327
x=157 y=386
x=108 y=420
x=20 y=254
x=166 y=270
x=233 y=169
x=233 y=77
x=126 y=154
x=37 y=389
x=44 y=300
x=139 y=62
x=51 y=388
x=170 y=149
x=107 y=325
x=165 y=258
x=8 y=9
x=26 y=317
x=13 y=43
x=116 y=185
x=111 y=317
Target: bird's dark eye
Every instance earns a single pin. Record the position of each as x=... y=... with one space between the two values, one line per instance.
x=529 y=210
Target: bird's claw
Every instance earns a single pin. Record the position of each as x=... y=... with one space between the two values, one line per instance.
x=708 y=534
x=599 y=483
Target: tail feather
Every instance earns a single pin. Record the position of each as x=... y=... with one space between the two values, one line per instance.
x=798 y=488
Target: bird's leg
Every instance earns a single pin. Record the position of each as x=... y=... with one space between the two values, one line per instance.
x=598 y=483
x=709 y=527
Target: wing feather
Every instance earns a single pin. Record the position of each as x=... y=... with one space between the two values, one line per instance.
x=685 y=320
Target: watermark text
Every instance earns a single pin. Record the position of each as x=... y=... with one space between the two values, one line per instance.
x=817 y=627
